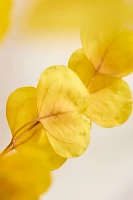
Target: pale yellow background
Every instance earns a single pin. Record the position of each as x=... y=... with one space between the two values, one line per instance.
x=105 y=171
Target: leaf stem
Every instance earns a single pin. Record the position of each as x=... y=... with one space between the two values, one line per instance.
x=12 y=144
x=9 y=148
x=32 y=121
x=26 y=131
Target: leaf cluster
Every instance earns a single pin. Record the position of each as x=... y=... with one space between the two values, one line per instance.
x=51 y=122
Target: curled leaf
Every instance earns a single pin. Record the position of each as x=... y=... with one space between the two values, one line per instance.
x=62 y=101
x=110 y=99
x=31 y=138
x=22 y=178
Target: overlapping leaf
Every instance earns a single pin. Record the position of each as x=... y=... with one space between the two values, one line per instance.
x=22 y=178
x=62 y=101
x=109 y=46
x=21 y=109
x=5 y=7
x=110 y=100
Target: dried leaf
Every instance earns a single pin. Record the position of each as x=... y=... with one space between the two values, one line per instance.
x=110 y=100
x=82 y=66
x=21 y=109
x=109 y=47
x=62 y=101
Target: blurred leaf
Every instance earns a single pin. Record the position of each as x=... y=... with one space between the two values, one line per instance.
x=110 y=100
x=109 y=48
x=71 y=15
x=21 y=109
x=16 y=103
x=22 y=178
x=62 y=102
x=5 y=7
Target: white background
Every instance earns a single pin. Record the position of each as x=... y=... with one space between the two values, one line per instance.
x=105 y=171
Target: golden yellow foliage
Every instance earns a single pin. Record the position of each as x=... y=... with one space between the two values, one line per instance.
x=109 y=48
x=62 y=101
x=61 y=105
x=110 y=100
x=21 y=109
x=22 y=178
x=52 y=122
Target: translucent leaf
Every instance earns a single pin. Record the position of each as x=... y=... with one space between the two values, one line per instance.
x=22 y=178
x=62 y=101
x=39 y=146
x=118 y=60
x=21 y=109
x=17 y=102
x=5 y=7
x=80 y=64
x=109 y=47
x=110 y=101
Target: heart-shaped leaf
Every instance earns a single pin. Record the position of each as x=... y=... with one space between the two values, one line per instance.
x=62 y=101
x=21 y=110
x=110 y=100
x=109 y=47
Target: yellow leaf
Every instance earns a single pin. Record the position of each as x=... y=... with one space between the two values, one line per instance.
x=56 y=15
x=110 y=100
x=66 y=15
x=109 y=47
x=17 y=102
x=21 y=109
x=5 y=6
x=62 y=101
x=22 y=178
x=39 y=146
x=80 y=64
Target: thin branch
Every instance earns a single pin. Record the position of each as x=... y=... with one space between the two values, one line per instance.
x=12 y=145
x=8 y=149
x=32 y=121
x=24 y=133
